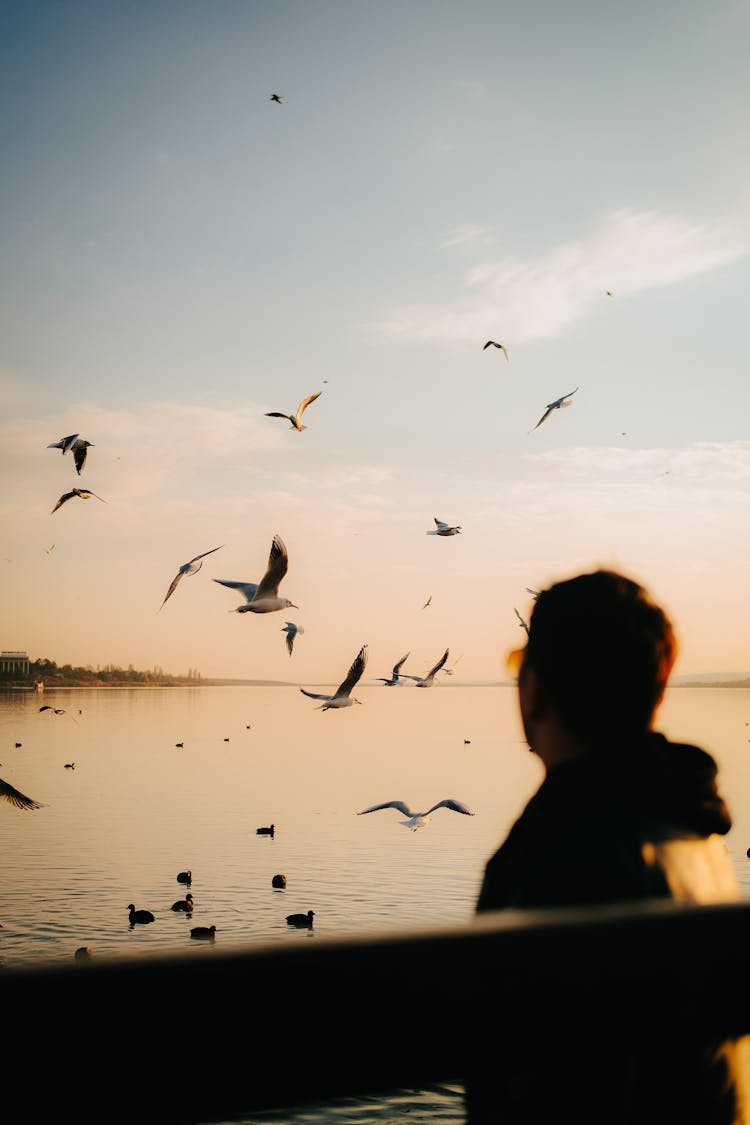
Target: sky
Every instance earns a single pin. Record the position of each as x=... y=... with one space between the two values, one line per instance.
x=180 y=254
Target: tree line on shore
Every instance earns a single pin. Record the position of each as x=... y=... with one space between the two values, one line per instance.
x=54 y=675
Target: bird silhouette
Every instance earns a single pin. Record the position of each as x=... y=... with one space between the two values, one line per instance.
x=442 y=528
x=78 y=446
x=301 y=921
x=275 y=98
x=342 y=697
x=83 y=493
x=191 y=567
x=203 y=933
x=15 y=797
x=521 y=622
x=184 y=876
x=394 y=677
x=263 y=597
x=558 y=404
x=185 y=904
x=427 y=602
x=417 y=820
x=139 y=917
x=291 y=631
x=296 y=419
x=503 y=349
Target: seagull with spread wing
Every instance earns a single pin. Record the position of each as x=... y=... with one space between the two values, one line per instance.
x=394 y=680
x=191 y=567
x=429 y=679
x=558 y=404
x=502 y=347
x=442 y=528
x=78 y=446
x=296 y=419
x=291 y=631
x=417 y=820
x=342 y=696
x=275 y=98
x=263 y=596
x=83 y=493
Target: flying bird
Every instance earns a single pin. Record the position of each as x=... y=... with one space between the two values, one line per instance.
x=427 y=602
x=451 y=670
x=291 y=631
x=14 y=797
x=263 y=597
x=394 y=678
x=78 y=446
x=296 y=419
x=65 y=443
x=429 y=679
x=502 y=348
x=444 y=529
x=521 y=623
x=342 y=698
x=275 y=98
x=57 y=711
x=84 y=494
x=558 y=404
x=417 y=820
x=191 y=567
x=49 y=550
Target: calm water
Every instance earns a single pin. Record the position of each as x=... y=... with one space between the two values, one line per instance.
x=136 y=809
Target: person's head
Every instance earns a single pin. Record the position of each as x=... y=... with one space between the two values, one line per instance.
x=601 y=652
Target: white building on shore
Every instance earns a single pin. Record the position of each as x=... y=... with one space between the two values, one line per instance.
x=14 y=664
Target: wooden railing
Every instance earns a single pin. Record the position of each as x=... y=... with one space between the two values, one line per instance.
x=211 y=1037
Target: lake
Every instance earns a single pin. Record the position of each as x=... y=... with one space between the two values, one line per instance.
x=137 y=808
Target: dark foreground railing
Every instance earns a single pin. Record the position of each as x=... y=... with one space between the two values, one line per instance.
x=203 y=1039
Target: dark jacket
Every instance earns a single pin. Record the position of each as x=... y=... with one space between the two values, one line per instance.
x=606 y=828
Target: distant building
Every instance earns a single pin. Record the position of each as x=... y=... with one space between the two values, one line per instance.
x=14 y=664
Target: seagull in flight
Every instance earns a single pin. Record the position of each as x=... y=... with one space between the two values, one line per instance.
x=291 y=631
x=65 y=443
x=503 y=349
x=263 y=596
x=451 y=670
x=427 y=602
x=84 y=493
x=443 y=529
x=275 y=98
x=15 y=797
x=428 y=680
x=296 y=419
x=394 y=680
x=57 y=711
x=187 y=568
x=417 y=820
x=78 y=446
x=558 y=404
x=342 y=698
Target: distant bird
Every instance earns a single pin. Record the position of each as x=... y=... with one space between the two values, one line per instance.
x=49 y=550
x=521 y=621
x=191 y=567
x=78 y=446
x=291 y=631
x=275 y=98
x=269 y=831
x=142 y=917
x=83 y=493
x=444 y=528
x=452 y=669
x=502 y=348
x=558 y=404
x=185 y=904
x=70 y=765
x=609 y=294
x=296 y=419
x=54 y=710
x=427 y=602
x=203 y=933
x=14 y=796
x=184 y=876
x=301 y=921
x=279 y=881
x=179 y=745
x=429 y=679
x=394 y=677
x=417 y=820
x=341 y=697
x=263 y=597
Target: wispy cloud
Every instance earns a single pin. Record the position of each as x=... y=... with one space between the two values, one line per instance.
x=464 y=236
x=628 y=252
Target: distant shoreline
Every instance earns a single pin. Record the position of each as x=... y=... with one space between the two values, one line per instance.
x=208 y=682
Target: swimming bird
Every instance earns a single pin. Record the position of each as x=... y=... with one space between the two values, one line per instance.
x=65 y=443
x=417 y=820
x=296 y=419
x=269 y=831
x=394 y=678
x=191 y=567
x=185 y=876
x=502 y=348
x=139 y=916
x=558 y=404
x=82 y=953
x=444 y=528
x=78 y=446
x=279 y=881
x=15 y=797
x=185 y=904
x=429 y=679
x=522 y=623
x=263 y=597
x=291 y=631
x=275 y=98
x=83 y=493
x=341 y=697
x=301 y=920
x=203 y=933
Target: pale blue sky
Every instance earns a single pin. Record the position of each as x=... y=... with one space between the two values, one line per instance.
x=179 y=255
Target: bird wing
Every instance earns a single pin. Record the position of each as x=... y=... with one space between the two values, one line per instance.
x=277 y=414
x=306 y=402
x=206 y=553
x=504 y=350
x=80 y=452
x=16 y=797
x=397 y=667
x=247 y=589
x=545 y=416
x=389 y=805
x=354 y=673
x=440 y=524
x=64 y=443
x=291 y=632
x=562 y=400
x=278 y=561
x=450 y=803
x=438 y=666
x=315 y=695
x=86 y=494
x=64 y=498
x=490 y=343
x=172 y=587
x=521 y=620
